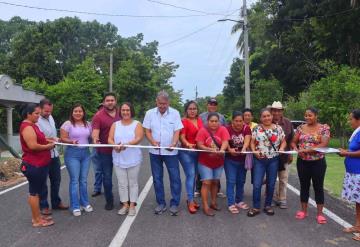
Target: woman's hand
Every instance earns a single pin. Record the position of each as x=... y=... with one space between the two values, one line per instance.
x=190 y=146
x=259 y=155
x=118 y=148
x=343 y=152
x=233 y=152
x=75 y=142
x=50 y=145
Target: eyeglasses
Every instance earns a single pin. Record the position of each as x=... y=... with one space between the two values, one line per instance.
x=192 y=109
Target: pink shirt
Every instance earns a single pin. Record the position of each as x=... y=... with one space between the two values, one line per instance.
x=78 y=133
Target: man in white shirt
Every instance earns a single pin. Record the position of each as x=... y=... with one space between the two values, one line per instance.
x=162 y=128
x=46 y=124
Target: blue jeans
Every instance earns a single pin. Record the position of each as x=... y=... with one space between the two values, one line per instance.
x=55 y=179
x=97 y=170
x=157 y=169
x=106 y=166
x=262 y=166
x=77 y=162
x=189 y=162
x=235 y=176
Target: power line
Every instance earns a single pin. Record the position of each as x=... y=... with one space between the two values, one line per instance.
x=96 y=13
x=188 y=9
x=319 y=16
x=188 y=35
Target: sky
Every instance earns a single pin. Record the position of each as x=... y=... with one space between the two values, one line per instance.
x=204 y=57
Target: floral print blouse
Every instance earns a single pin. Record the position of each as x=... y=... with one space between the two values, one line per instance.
x=264 y=137
x=310 y=140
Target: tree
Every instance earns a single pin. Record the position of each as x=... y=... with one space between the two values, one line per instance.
x=84 y=85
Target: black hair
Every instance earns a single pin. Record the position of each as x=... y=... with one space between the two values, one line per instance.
x=109 y=94
x=71 y=118
x=264 y=110
x=212 y=114
x=132 y=109
x=356 y=114
x=313 y=110
x=44 y=102
x=247 y=110
x=28 y=109
x=236 y=114
x=187 y=105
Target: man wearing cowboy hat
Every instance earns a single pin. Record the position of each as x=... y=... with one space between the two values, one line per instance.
x=277 y=111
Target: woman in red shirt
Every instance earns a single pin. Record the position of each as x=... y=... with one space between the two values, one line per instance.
x=189 y=159
x=214 y=139
x=35 y=160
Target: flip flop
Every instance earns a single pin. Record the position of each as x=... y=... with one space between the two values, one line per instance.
x=242 y=205
x=300 y=215
x=43 y=223
x=321 y=219
x=352 y=229
x=233 y=209
x=215 y=207
x=356 y=238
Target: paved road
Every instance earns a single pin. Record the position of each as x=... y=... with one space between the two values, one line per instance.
x=100 y=227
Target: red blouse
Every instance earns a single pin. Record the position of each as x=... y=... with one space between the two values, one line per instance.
x=35 y=158
x=190 y=130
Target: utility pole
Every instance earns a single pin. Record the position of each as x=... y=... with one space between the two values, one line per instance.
x=111 y=71
x=196 y=93
x=246 y=57
x=244 y=24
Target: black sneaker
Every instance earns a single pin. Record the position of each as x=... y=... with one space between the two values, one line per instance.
x=96 y=193
x=109 y=206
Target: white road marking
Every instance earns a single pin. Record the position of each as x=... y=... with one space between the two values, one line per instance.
x=19 y=185
x=326 y=211
x=120 y=236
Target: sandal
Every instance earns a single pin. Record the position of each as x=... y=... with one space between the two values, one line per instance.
x=208 y=212
x=321 y=219
x=356 y=238
x=353 y=229
x=300 y=215
x=253 y=212
x=269 y=211
x=233 y=209
x=215 y=207
x=197 y=206
x=242 y=205
x=43 y=223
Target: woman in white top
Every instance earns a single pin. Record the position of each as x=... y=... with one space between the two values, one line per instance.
x=127 y=160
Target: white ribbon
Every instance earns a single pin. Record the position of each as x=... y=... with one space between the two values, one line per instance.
x=321 y=150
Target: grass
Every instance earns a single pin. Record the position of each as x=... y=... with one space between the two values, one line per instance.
x=334 y=174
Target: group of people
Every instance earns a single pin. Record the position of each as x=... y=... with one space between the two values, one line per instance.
x=211 y=146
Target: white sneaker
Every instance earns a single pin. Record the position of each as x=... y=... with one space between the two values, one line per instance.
x=123 y=210
x=76 y=212
x=88 y=208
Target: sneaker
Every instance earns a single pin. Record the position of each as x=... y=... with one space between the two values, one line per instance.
x=196 y=194
x=174 y=210
x=87 y=209
x=221 y=195
x=160 y=209
x=95 y=194
x=76 y=212
x=132 y=211
x=124 y=210
x=282 y=205
x=109 y=206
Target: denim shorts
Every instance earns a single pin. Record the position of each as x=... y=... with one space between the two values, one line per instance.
x=36 y=177
x=207 y=173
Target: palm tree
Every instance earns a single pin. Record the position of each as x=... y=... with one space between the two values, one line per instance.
x=240 y=43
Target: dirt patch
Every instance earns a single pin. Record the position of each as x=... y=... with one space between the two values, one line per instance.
x=10 y=173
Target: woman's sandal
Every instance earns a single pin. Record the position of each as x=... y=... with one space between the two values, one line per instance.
x=321 y=219
x=300 y=215
x=233 y=209
x=269 y=211
x=43 y=217
x=356 y=238
x=208 y=212
x=43 y=223
x=215 y=207
x=253 y=212
x=242 y=205
x=353 y=229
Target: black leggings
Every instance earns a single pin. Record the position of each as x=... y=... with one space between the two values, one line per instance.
x=311 y=170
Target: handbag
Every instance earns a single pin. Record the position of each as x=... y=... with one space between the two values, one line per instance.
x=249 y=158
x=213 y=138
